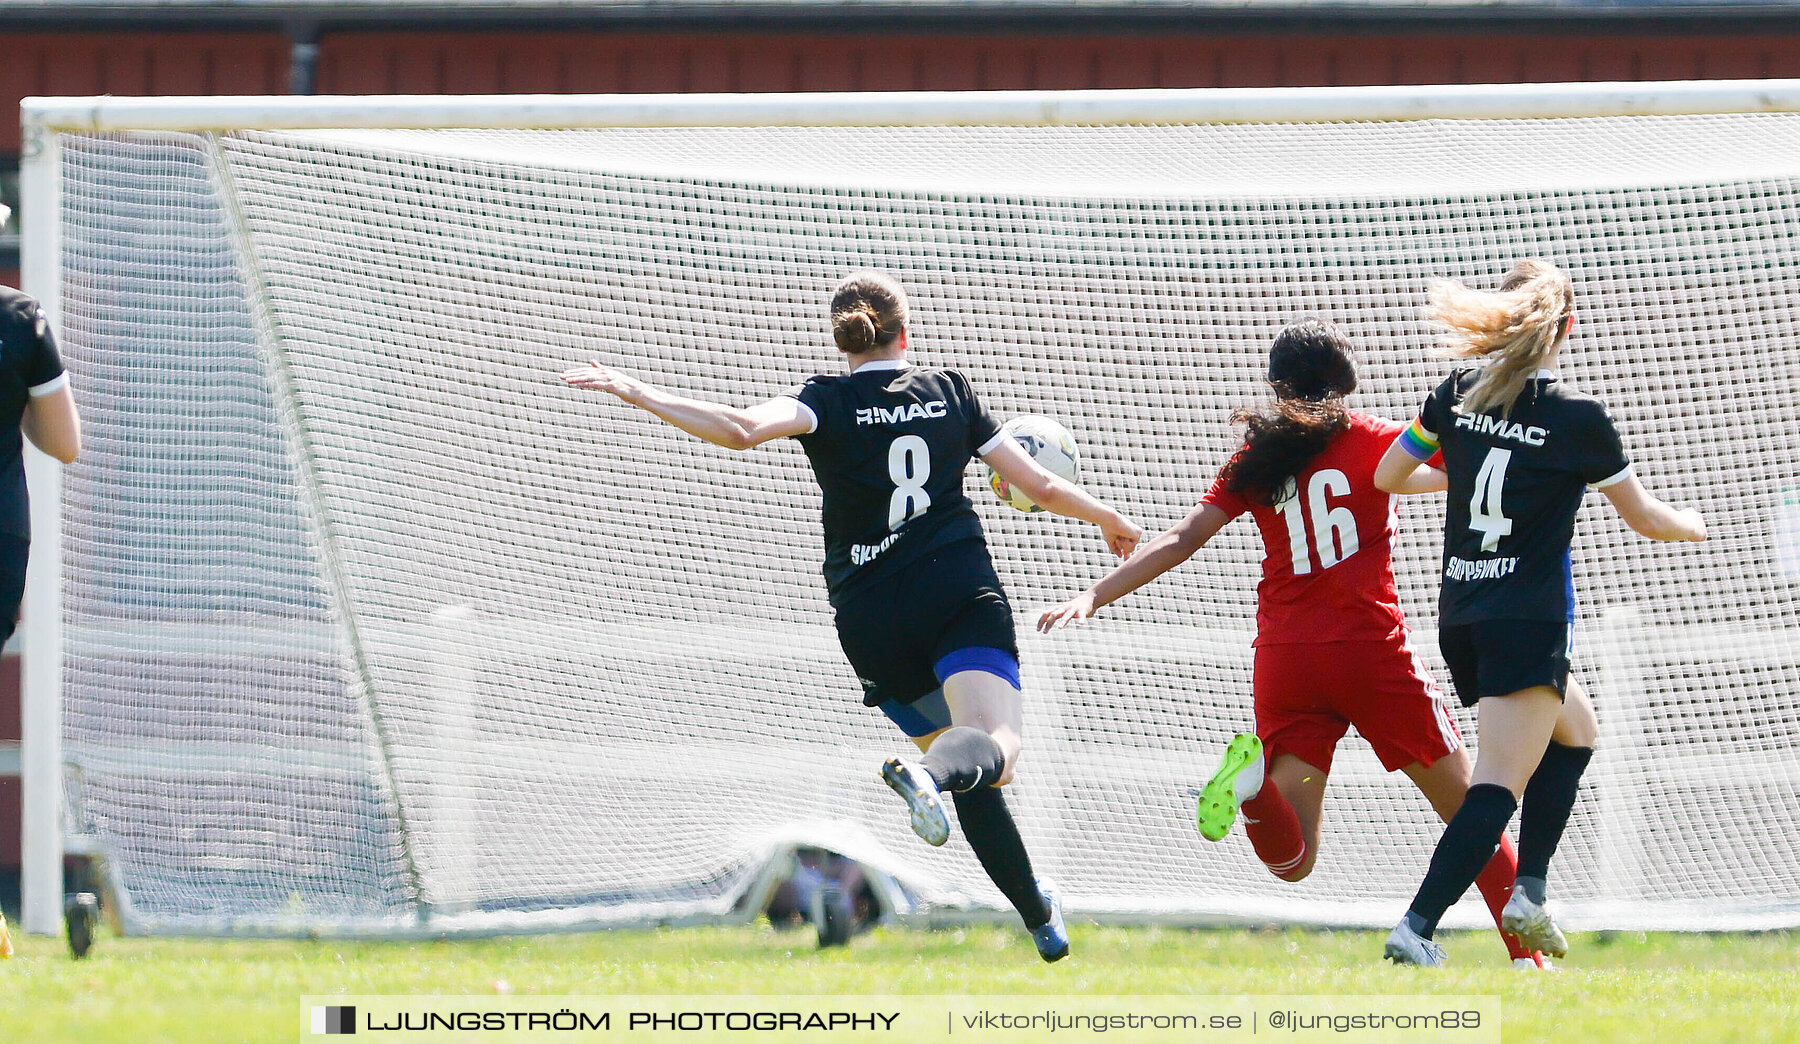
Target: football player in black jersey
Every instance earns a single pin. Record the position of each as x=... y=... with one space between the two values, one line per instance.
x=35 y=400
x=919 y=610
x=1520 y=448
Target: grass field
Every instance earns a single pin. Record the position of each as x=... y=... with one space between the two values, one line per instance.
x=1626 y=987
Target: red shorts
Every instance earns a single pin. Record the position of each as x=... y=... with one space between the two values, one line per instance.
x=1308 y=695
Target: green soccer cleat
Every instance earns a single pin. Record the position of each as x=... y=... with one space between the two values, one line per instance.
x=1239 y=778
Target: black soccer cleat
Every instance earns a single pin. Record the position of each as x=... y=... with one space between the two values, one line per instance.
x=832 y=916
x=80 y=914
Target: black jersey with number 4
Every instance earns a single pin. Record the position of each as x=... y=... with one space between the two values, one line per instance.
x=889 y=444
x=1516 y=482
x=29 y=367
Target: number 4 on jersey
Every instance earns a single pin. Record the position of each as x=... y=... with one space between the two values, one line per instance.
x=1485 y=516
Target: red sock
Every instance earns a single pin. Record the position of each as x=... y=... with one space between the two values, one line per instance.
x=1274 y=831
x=1496 y=884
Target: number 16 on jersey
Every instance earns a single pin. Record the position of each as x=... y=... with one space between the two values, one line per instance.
x=1333 y=528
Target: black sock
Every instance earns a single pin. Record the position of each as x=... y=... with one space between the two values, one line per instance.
x=1545 y=809
x=964 y=758
x=1468 y=843
x=995 y=838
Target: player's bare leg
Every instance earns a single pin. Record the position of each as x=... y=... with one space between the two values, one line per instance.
x=971 y=760
x=1302 y=785
x=1544 y=812
x=977 y=751
x=990 y=703
x=1514 y=732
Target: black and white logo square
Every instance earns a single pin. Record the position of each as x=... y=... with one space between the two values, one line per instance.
x=334 y=1019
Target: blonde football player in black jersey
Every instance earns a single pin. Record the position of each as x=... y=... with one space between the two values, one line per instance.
x=919 y=610
x=1520 y=448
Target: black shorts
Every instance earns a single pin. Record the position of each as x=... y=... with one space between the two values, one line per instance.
x=897 y=628
x=1501 y=657
x=13 y=552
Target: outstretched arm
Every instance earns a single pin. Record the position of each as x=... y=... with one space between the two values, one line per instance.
x=1649 y=516
x=721 y=425
x=1157 y=557
x=1055 y=493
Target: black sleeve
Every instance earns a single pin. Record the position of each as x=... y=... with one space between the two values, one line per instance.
x=1598 y=456
x=39 y=363
x=812 y=395
x=1439 y=411
x=981 y=424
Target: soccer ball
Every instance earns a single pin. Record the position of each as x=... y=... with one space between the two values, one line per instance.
x=1044 y=441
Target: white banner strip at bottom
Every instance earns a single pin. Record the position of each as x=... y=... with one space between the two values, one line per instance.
x=919 y=1019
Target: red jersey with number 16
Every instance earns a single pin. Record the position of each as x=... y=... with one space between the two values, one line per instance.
x=1328 y=565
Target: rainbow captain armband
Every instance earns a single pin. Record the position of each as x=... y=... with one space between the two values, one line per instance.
x=1417 y=442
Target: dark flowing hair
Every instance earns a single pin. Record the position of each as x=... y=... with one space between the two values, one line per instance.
x=1311 y=369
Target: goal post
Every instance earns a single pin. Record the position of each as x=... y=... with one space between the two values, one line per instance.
x=41 y=609
x=351 y=620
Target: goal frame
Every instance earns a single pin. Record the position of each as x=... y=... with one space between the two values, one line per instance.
x=43 y=119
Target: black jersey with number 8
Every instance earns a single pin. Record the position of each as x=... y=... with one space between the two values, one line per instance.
x=888 y=445
x=1516 y=482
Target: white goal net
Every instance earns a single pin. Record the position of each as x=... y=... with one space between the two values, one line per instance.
x=370 y=625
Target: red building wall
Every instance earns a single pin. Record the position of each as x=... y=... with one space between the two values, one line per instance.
x=633 y=62
x=137 y=64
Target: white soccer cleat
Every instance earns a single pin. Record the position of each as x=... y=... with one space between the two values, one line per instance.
x=1537 y=962
x=1534 y=926
x=6 y=943
x=1405 y=946
x=916 y=787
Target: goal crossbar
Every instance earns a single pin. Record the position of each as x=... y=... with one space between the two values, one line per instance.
x=919 y=108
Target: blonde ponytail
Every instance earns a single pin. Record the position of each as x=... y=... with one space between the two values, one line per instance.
x=1521 y=325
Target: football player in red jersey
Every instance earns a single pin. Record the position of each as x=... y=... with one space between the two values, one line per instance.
x=1332 y=645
